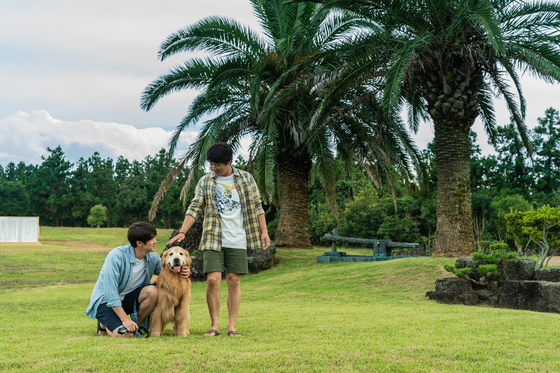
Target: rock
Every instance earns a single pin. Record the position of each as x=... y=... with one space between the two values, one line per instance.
x=516 y=270
x=467 y=262
x=541 y=296
x=483 y=294
x=258 y=260
x=261 y=260
x=473 y=264
x=453 y=285
x=453 y=290
x=547 y=274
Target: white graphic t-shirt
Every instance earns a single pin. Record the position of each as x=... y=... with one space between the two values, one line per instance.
x=227 y=198
x=136 y=278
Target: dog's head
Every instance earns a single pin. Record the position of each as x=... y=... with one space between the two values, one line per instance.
x=175 y=258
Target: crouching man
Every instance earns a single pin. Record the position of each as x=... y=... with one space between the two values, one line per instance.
x=124 y=284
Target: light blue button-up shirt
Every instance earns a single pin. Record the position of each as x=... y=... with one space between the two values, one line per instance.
x=115 y=274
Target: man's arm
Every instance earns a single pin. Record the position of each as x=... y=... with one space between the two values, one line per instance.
x=187 y=224
x=264 y=232
x=196 y=207
x=130 y=325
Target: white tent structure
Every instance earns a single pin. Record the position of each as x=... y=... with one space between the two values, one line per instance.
x=19 y=229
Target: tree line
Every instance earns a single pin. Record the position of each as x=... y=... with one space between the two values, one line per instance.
x=62 y=193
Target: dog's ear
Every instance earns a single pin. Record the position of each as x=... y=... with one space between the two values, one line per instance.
x=164 y=256
x=187 y=257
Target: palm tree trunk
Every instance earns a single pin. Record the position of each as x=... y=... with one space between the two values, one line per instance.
x=454 y=234
x=293 y=228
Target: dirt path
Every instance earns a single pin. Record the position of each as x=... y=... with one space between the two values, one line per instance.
x=554 y=261
x=80 y=246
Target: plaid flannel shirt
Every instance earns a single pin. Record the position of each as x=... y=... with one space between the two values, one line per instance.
x=205 y=201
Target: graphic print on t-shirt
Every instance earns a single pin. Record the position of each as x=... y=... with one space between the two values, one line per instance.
x=229 y=207
x=228 y=199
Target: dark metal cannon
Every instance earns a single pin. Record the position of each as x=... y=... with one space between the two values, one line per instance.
x=382 y=249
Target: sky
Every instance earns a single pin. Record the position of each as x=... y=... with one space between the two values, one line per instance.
x=72 y=74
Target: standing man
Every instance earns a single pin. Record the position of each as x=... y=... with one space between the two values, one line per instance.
x=234 y=221
x=124 y=282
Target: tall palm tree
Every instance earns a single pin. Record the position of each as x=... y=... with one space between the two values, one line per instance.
x=447 y=58
x=241 y=81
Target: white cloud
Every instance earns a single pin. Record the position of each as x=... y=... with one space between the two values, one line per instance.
x=25 y=137
x=80 y=59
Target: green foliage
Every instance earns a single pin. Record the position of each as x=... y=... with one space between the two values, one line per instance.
x=398 y=229
x=482 y=213
x=539 y=228
x=495 y=256
x=272 y=226
x=362 y=217
x=459 y=272
x=14 y=200
x=485 y=269
x=97 y=216
x=499 y=246
x=321 y=221
x=133 y=199
x=504 y=205
x=483 y=245
x=487 y=258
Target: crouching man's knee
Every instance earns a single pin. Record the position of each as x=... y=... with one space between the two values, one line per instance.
x=149 y=292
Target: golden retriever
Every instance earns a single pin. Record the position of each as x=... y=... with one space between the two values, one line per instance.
x=174 y=294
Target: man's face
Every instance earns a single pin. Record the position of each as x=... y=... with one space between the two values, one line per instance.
x=149 y=246
x=221 y=169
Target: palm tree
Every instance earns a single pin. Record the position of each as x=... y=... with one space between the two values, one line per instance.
x=446 y=58
x=241 y=83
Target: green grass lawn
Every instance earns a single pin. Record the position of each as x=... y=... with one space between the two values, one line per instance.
x=299 y=316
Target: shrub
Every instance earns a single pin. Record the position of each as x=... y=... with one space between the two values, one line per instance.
x=321 y=220
x=97 y=215
x=362 y=217
x=272 y=226
x=539 y=228
x=398 y=229
x=504 y=205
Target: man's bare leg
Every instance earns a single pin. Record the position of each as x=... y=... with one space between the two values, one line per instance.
x=147 y=298
x=233 y=300
x=213 y=281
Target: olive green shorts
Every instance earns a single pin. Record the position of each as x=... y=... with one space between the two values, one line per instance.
x=232 y=260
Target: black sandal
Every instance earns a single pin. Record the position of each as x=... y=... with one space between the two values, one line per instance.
x=143 y=332
x=122 y=330
x=100 y=330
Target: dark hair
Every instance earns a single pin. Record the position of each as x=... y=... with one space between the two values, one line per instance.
x=220 y=152
x=142 y=232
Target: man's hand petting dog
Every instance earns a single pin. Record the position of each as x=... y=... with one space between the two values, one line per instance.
x=176 y=239
x=185 y=272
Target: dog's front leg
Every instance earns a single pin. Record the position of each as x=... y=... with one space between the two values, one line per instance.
x=182 y=317
x=157 y=325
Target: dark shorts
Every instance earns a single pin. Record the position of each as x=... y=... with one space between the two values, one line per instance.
x=230 y=260
x=109 y=318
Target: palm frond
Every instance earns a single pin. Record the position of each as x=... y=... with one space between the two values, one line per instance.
x=216 y=35
x=170 y=178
